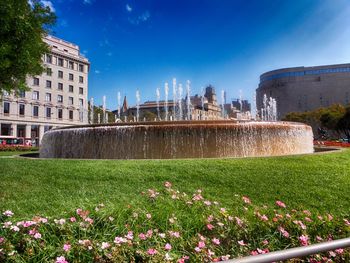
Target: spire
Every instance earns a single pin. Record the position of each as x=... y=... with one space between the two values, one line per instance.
x=125 y=105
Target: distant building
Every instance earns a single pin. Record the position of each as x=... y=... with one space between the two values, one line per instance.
x=200 y=108
x=302 y=89
x=56 y=98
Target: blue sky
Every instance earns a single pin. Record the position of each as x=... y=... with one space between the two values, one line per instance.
x=140 y=44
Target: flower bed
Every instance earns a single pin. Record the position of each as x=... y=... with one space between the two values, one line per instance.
x=170 y=226
x=332 y=144
x=17 y=148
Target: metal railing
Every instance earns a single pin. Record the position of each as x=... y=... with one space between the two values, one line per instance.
x=297 y=252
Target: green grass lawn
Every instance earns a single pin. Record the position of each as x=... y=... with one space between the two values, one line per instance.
x=12 y=153
x=319 y=182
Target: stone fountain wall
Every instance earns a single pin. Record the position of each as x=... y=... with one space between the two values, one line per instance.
x=169 y=140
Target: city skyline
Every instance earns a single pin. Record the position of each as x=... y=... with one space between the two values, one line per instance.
x=140 y=45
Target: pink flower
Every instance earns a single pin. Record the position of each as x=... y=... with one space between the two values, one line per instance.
x=152 y=251
x=14 y=228
x=246 y=199
x=346 y=222
x=339 y=251
x=149 y=233
x=167 y=246
x=224 y=258
x=216 y=241
x=174 y=234
x=183 y=259
x=105 y=245
x=66 y=247
x=264 y=218
x=241 y=243
x=283 y=232
x=207 y=203
x=319 y=239
x=280 y=204
x=130 y=235
x=167 y=184
x=142 y=236
x=89 y=220
x=210 y=226
x=73 y=219
x=330 y=217
x=304 y=240
x=37 y=235
x=8 y=213
x=197 y=249
x=120 y=240
x=239 y=221
x=1 y=239
x=265 y=242
x=201 y=244
x=61 y=260
x=149 y=216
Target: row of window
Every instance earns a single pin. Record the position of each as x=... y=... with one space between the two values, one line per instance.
x=59 y=87
x=48 y=111
x=305 y=72
x=60 y=62
x=36 y=81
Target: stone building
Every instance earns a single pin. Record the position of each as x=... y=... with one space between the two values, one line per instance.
x=302 y=89
x=56 y=98
x=201 y=108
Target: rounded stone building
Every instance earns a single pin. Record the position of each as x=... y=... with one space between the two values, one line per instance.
x=305 y=88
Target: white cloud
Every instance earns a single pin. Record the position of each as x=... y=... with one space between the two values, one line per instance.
x=87 y=2
x=128 y=8
x=48 y=4
x=144 y=17
x=97 y=71
x=109 y=54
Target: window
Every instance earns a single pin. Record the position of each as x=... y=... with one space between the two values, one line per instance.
x=35 y=111
x=6 y=107
x=48 y=84
x=21 y=109
x=60 y=98
x=71 y=88
x=81 y=116
x=35 y=81
x=70 y=100
x=81 y=90
x=60 y=62
x=35 y=95
x=48 y=58
x=22 y=94
x=48 y=97
x=71 y=65
x=81 y=102
x=59 y=113
x=48 y=112
x=71 y=76
x=81 y=68
x=60 y=86
x=49 y=71
x=81 y=79
x=71 y=115
x=60 y=74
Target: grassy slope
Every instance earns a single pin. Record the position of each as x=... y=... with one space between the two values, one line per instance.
x=50 y=187
x=10 y=153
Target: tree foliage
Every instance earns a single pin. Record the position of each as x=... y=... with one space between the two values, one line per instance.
x=22 y=28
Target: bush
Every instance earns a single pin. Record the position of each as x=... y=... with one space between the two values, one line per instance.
x=18 y=148
x=170 y=226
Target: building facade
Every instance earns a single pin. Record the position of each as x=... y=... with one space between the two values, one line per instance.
x=302 y=89
x=58 y=97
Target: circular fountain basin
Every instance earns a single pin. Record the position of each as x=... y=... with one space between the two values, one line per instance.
x=180 y=139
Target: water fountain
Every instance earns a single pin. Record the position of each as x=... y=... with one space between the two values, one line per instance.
x=179 y=138
x=138 y=100
x=166 y=90
x=158 y=98
x=174 y=98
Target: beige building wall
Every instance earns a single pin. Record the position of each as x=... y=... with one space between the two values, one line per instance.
x=303 y=89
x=58 y=97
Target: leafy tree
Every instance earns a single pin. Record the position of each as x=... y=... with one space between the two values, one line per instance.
x=22 y=28
x=343 y=124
